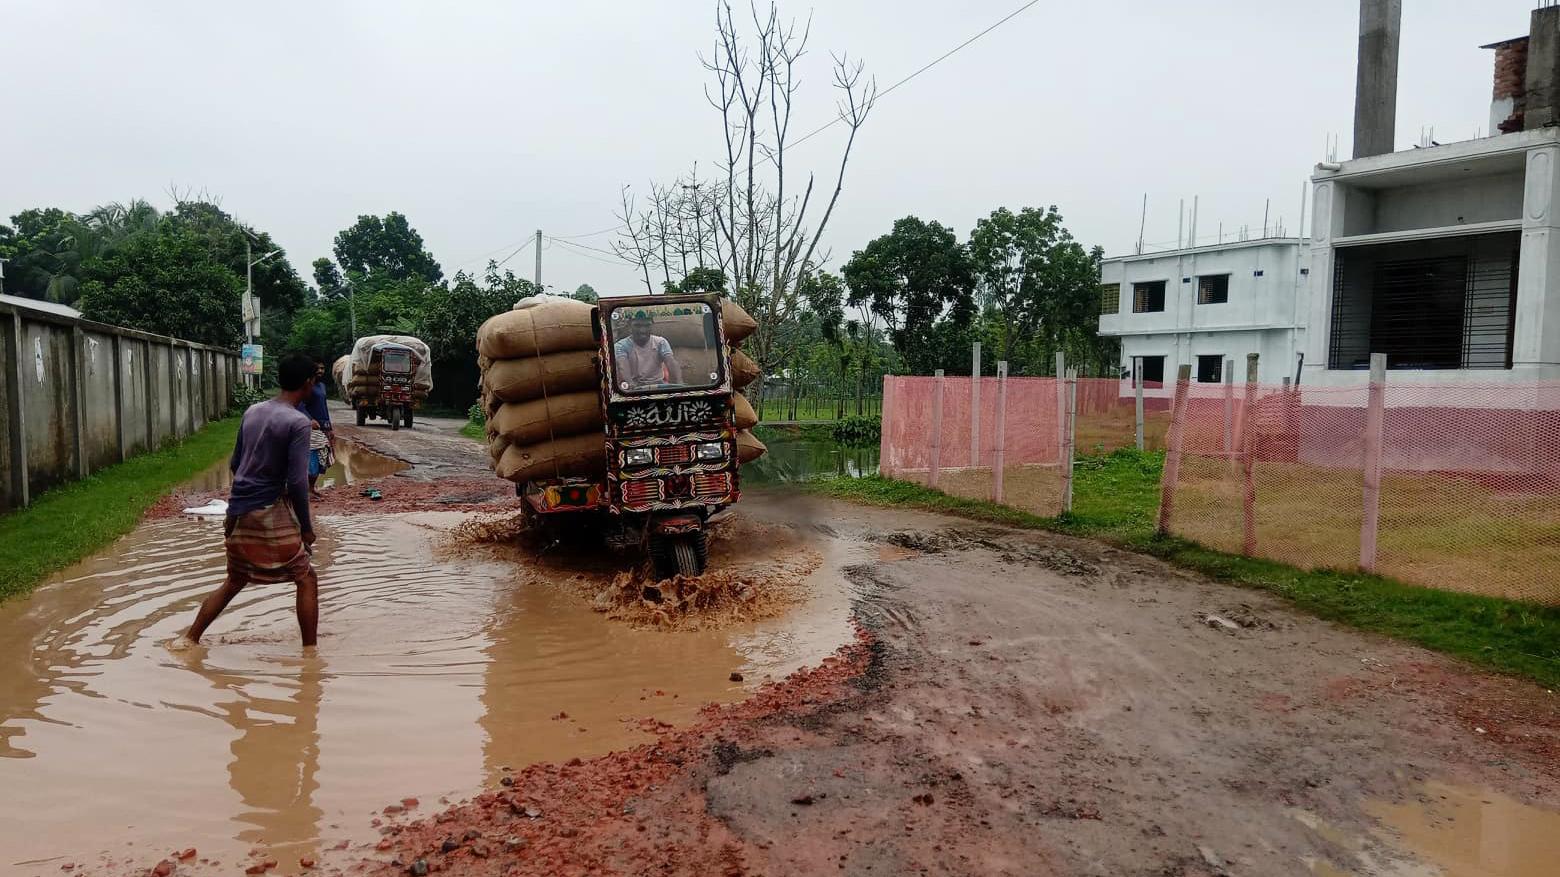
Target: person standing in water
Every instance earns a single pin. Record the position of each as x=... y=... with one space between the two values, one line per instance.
x=321 y=435
x=269 y=534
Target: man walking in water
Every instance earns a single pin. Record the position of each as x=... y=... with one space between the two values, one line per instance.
x=269 y=533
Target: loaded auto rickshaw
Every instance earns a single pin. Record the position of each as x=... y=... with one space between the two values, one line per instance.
x=385 y=388
x=670 y=439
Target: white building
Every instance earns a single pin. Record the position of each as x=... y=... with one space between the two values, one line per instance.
x=1201 y=306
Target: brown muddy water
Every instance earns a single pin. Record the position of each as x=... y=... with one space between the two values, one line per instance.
x=435 y=670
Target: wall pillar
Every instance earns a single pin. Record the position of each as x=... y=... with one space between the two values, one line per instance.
x=1535 y=339
x=1329 y=200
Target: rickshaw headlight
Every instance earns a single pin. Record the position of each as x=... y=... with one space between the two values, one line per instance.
x=712 y=451
x=639 y=456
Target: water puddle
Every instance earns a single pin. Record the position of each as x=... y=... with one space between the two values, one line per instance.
x=890 y=553
x=355 y=463
x=1447 y=831
x=1474 y=833
x=433 y=673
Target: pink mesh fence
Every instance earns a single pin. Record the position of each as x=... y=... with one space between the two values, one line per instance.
x=1454 y=487
x=1002 y=438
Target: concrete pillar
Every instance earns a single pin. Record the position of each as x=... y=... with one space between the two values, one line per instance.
x=1535 y=343
x=1329 y=199
x=1375 y=83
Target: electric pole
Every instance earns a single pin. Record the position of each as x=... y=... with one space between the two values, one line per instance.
x=538 y=261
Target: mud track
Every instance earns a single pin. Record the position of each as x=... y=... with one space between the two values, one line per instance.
x=1029 y=704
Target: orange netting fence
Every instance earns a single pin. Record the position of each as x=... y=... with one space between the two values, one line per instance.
x=1454 y=487
x=1003 y=438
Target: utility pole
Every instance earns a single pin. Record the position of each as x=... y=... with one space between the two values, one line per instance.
x=538 y=280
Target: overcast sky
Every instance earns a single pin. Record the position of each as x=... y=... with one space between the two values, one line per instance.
x=483 y=121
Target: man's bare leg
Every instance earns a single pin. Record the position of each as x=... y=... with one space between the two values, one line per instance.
x=308 y=606
x=213 y=605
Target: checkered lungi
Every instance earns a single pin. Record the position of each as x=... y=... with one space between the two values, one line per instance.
x=266 y=545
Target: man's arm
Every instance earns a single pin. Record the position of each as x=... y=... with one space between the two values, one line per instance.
x=673 y=367
x=298 y=477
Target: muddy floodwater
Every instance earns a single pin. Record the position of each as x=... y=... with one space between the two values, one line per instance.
x=435 y=671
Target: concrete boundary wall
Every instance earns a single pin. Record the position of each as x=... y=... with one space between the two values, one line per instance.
x=77 y=396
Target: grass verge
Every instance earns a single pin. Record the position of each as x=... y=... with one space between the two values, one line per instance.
x=1115 y=500
x=475 y=430
x=73 y=520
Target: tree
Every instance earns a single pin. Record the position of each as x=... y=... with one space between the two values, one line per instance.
x=753 y=221
x=327 y=277
x=164 y=281
x=586 y=293
x=385 y=249
x=452 y=315
x=30 y=246
x=276 y=281
x=703 y=279
x=919 y=281
x=1037 y=284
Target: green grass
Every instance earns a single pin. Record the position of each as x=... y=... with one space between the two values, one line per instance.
x=1116 y=499
x=73 y=520
x=780 y=409
x=475 y=430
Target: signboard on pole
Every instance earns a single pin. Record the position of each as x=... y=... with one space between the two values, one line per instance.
x=251 y=358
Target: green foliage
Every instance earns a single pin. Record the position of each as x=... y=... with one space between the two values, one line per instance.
x=71 y=521
x=856 y=431
x=586 y=293
x=476 y=414
x=1038 y=286
x=385 y=249
x=451 y=315
x=919 y=280
x=32 y=246
x=245 y=396
x=702 y=279
x=164 y=281
x=1116 y=499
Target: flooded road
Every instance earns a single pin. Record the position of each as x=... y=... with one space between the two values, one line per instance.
x=435 y=671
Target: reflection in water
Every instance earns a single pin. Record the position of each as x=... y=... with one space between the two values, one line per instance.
x=354 y=463
x=796 y=456
x=434 y=668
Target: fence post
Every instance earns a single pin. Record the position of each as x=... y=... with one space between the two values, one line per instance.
x=1061 y=404
x=78 y=368
x=1137 y=379
x=1072 y=438
x=975 y=406
x=937 y=417
x=116 y=347
x=999 y=460
x=189 y=384
x=149 y=403
x=1172 y=471
x=1375 y=426
x=885 y=429
x=1229 y=405
x=16 y=416
x=1248 y=443
x=173 y=392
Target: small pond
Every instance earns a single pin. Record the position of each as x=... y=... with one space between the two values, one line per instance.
x=805 y=454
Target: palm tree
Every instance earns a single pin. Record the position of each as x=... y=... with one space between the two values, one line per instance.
x=91 y=235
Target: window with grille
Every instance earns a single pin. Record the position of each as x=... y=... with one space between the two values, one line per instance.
x=1110 y=298
x=1153 y=369
x=1213 y=289
x=1210 y=369
x=1148 y=298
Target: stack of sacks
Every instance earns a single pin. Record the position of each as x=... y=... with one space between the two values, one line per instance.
x=341 y=374
x=541 y=389
x=363 y=373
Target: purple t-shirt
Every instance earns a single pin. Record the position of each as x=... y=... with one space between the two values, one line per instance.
x=270 y=458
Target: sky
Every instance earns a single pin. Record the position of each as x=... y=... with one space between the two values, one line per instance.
x=485 y=121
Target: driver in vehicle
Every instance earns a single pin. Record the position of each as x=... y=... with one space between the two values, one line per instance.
x=645 y=359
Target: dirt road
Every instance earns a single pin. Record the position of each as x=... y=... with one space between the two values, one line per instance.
x=1035 y=704
x=1016 y=703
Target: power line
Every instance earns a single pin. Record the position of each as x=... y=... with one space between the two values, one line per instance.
x=586 y=247
x=933 y=63
x=588 y=234
x=577 y=248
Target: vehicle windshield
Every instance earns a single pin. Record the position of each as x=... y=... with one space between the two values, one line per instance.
x=397 y=362
x=664 y=347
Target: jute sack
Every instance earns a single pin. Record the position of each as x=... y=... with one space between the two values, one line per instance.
x=496 y=448
x=538 y=325
x=744 y=371
x=524 y=378
x=339 y=373
x=584 y=456
x=749 y=448
x=736 y=321
x=525 y=423
x=743 y=416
